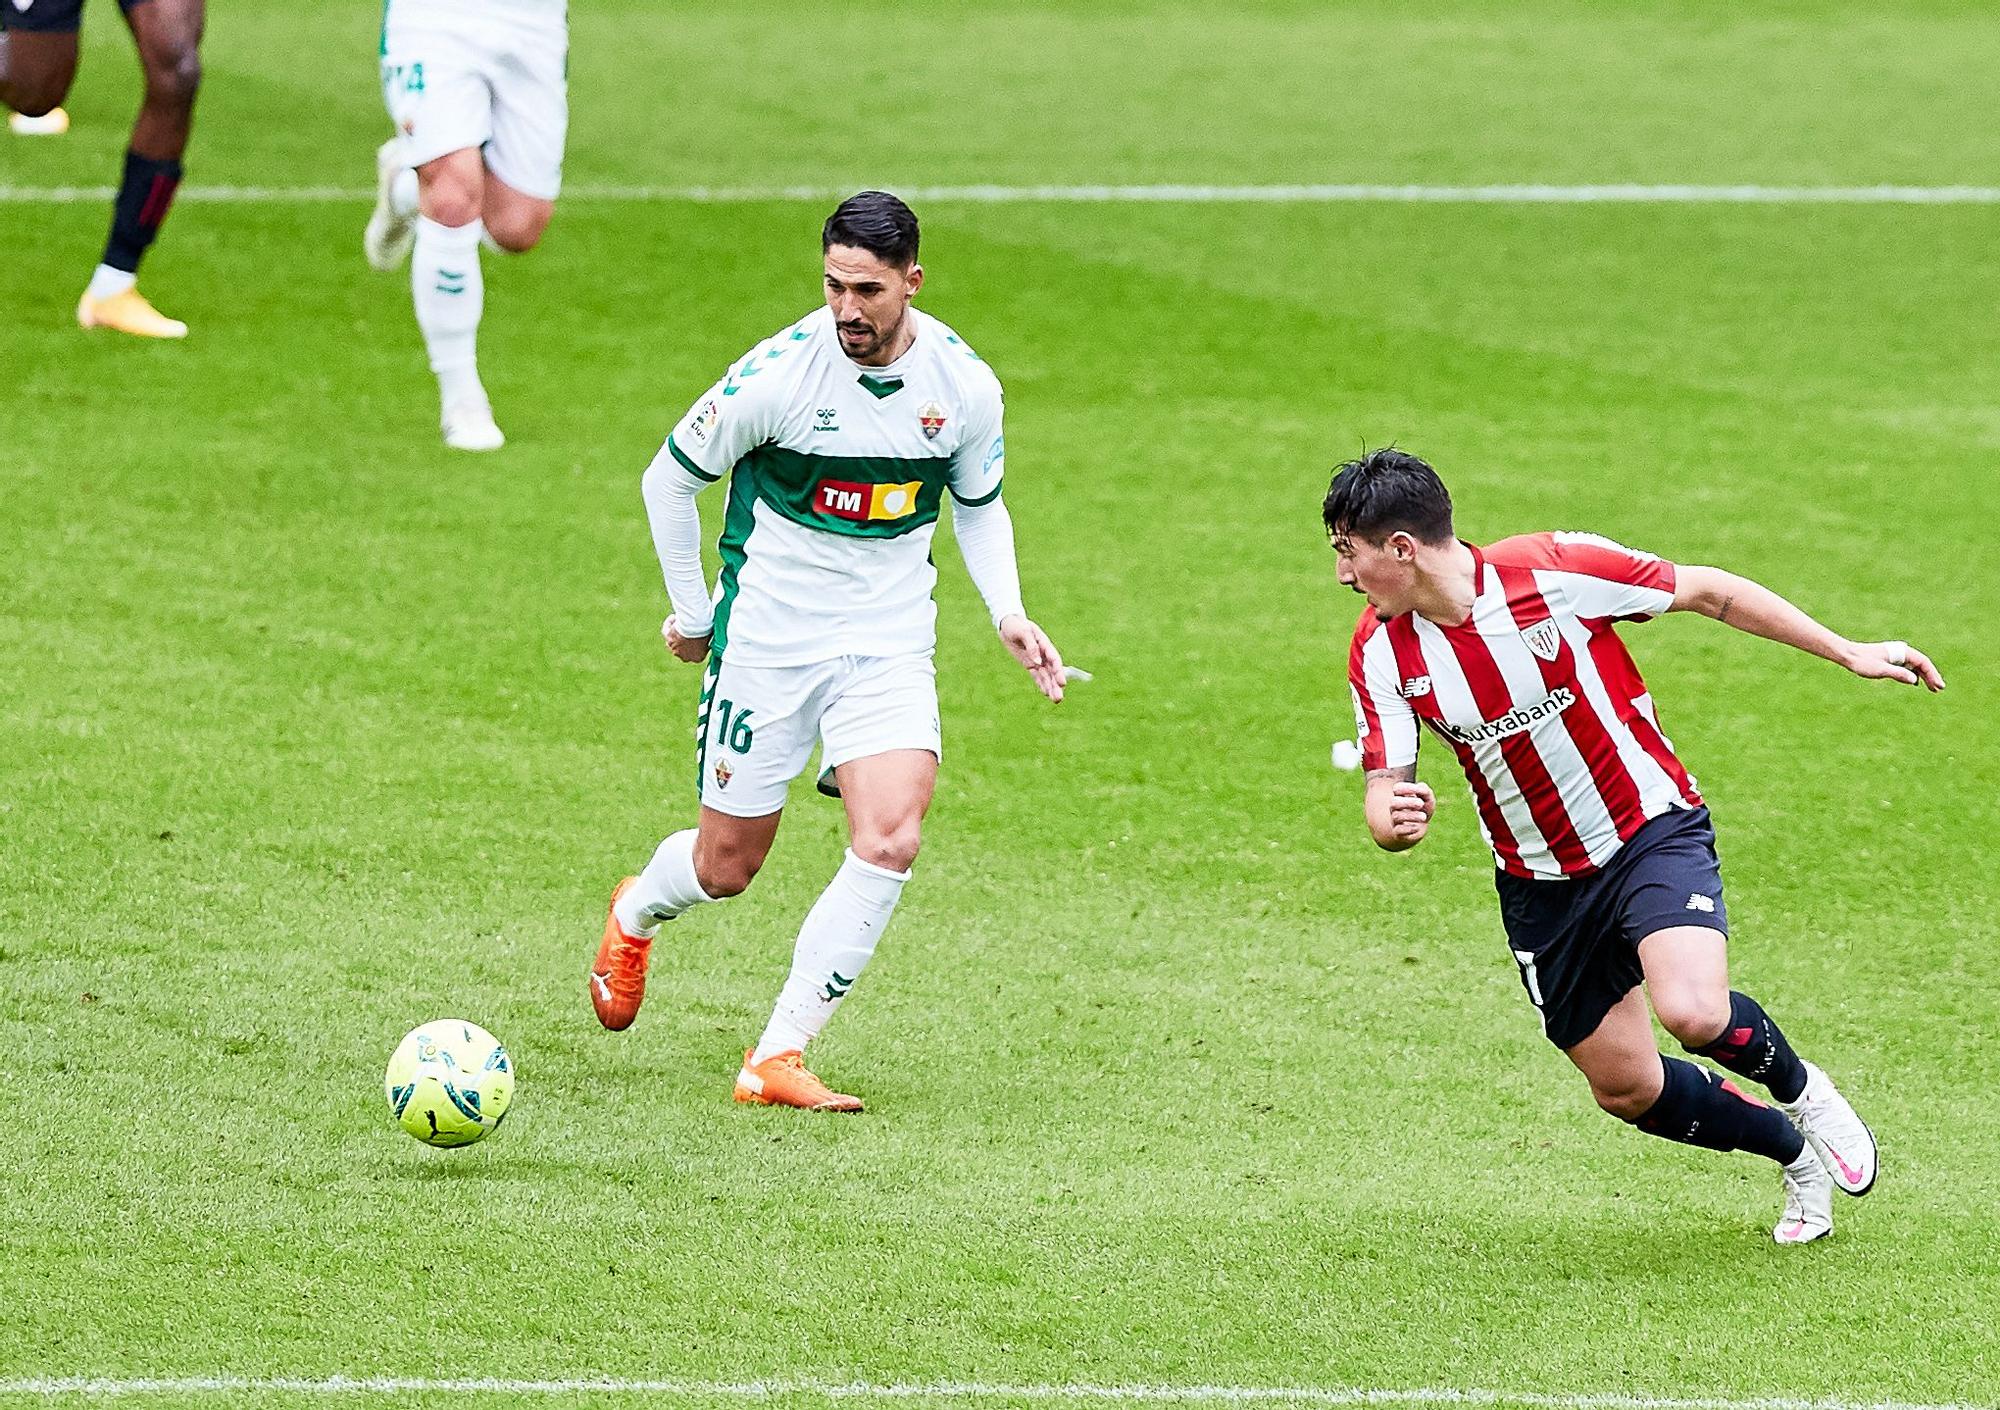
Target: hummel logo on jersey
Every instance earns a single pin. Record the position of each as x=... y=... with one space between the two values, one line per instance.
x=1699 y=902
x=1514 y=721
x=1414 y=686
x=1543 y=639
x=827 y=419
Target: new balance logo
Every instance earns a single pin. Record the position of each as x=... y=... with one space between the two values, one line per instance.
x=1699 y=902
x=1414 y=686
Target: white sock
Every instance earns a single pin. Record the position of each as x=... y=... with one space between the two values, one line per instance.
x=403 y=193
x=445 y=282
x=667 y=888
x=106 y=281
x=833 y=948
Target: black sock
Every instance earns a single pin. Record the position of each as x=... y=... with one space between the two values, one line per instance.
x=1697 y=1108
x=1752 y=1046
x=143 y=198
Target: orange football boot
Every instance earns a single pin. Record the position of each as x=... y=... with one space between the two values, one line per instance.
x=618 y=978
x=783 y=1080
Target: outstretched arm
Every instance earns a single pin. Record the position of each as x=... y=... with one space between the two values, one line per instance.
x=1751 y=607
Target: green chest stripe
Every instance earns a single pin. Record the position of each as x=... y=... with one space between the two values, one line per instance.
x=858 y=496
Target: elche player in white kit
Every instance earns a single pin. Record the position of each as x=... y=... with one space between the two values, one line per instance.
x=479 y=93
x=841 y=437
x=1603 y=852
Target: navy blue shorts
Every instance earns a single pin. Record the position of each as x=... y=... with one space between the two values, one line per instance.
x=48 y=16
x=1577 y=942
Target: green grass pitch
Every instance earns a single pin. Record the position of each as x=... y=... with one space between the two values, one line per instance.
x=310 y=730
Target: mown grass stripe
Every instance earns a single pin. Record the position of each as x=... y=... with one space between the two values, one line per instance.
x=932 y=1390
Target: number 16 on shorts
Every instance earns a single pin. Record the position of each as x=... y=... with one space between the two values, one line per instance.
x=732 y=729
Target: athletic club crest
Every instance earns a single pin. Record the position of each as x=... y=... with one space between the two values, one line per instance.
x=1543 y=639
x=931 y=417
x=723 y=773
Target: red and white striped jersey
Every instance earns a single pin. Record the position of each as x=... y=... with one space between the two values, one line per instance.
x=1537 y=697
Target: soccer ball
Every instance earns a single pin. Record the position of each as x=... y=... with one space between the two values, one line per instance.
x=450 y=1082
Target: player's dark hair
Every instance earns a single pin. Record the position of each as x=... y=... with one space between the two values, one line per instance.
x=874 y=221
x=1384 y=492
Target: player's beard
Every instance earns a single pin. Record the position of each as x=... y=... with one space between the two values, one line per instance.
x=875 y=340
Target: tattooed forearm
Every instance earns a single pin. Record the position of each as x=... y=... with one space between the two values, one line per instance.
x=1406 y=774
x=1722 y=614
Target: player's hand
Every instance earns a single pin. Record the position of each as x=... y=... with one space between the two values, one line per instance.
x=1033 y=649
x=692 y=649
x=1411 y=807
x=1894 y=661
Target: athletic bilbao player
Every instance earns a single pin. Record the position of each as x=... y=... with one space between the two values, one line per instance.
x=1605 y=858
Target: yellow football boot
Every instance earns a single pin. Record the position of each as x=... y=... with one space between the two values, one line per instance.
x=128 y=313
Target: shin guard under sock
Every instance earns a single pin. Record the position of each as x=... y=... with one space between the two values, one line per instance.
x=1699 y=1108
x=1753 y=1046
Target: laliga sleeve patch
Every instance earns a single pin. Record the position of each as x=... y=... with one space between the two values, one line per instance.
x=701 y=422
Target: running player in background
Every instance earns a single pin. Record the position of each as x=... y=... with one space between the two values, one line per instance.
x=841 y=436
x=479 y=93
x=1606 y=861
x=38 y=53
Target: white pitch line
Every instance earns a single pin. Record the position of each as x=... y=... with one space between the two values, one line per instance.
x=941 y=1390
x=1618 y=194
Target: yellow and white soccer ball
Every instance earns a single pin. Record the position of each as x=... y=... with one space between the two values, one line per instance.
x=450 y=1083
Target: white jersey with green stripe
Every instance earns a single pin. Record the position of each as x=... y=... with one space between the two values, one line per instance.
x=837 y=473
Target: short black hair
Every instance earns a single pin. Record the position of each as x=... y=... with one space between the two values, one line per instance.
x=874 y=221
x=1384 y=492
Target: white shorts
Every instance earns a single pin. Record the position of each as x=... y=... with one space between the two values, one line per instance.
x=490 y=75
x=757 y=724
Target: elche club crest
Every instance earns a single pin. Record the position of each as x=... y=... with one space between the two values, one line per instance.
x=723 y=773
x=1543 y=639
x=931 y=417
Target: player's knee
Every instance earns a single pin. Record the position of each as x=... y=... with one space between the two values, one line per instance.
x=892 y=848
x=725 y=872
x=35 y=95
x=34 y=102
x=174 y=76
x=515 y=239
x=451 y=197
x=1627 y=1103
x=451 y=205
x=516 y=234
x=1695 y=1018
